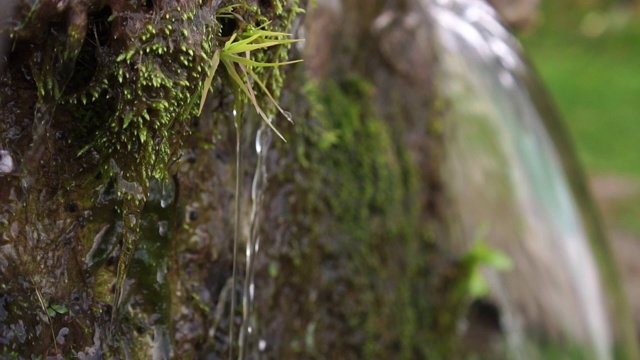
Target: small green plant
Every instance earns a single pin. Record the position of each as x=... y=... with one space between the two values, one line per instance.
x=480 y=254
x=237 y=53
x=54 y=309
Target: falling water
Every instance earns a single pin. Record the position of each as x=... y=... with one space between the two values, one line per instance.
x=508 y=167
x=263 y=140
x=237 y=120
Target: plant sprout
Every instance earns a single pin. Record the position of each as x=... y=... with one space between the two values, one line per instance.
x=237 y=51
x=475 y=285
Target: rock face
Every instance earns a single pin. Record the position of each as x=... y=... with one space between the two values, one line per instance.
x=117 y=201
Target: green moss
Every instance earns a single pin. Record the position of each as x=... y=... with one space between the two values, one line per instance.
x=154 y=83
x=365 y=250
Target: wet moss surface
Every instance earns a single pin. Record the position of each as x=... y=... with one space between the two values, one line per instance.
x=117 y=215
x=354 y=241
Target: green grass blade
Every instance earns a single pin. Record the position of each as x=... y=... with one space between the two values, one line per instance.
x=234 y=75
x=261 y=45
x=259 y=110
x=249 y=62
x=207 y=83
x=266 y=91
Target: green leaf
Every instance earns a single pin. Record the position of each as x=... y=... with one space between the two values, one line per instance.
x=240 y=48
x=207 y=83
x=60 y=309
x=482 y=254
x=268 y=93
x=250 y=40
x=477 y=284
x=249 y=62
x=259 y=110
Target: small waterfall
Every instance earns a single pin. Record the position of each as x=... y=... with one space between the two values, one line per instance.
x=508 y=168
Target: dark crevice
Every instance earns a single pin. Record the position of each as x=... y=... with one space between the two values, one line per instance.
x=228 y=25
x=265 y=5
x=88 y=61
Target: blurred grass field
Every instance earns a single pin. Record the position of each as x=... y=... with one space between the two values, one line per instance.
x=595 y=80
x=588 y=56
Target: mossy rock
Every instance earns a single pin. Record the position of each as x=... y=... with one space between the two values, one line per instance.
x=99 y=109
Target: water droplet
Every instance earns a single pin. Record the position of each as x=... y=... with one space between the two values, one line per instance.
x=288 y=116
x=160 y=275
x=234 y=113
x=166 y=196
x=163 y=227
x=258 y=144
x=263 y=140
x=6 y=162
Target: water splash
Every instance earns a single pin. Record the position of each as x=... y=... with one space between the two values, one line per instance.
x=509 y=166
x=263 y=141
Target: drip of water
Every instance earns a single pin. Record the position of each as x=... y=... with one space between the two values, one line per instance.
x=237 y=120
x=163 y=200
x=163 y=228
x=288 y=116
x=263 y=141
x=508 y=167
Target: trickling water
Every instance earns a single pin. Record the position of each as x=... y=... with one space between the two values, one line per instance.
x=508 y=166
x=237 y=120
x=163 y=201
x=263 y=141
x=163 y=227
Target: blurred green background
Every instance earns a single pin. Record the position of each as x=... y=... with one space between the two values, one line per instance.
x=588 y=55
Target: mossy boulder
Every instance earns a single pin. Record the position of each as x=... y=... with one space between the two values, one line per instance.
x=117 y=212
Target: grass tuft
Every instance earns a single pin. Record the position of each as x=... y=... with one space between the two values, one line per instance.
x=236 y=54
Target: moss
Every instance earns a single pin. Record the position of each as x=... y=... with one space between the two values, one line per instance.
x=358 y=246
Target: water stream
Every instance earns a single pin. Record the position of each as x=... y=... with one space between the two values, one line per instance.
x=263 y=141
x=237 y=120
x=510 y=167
